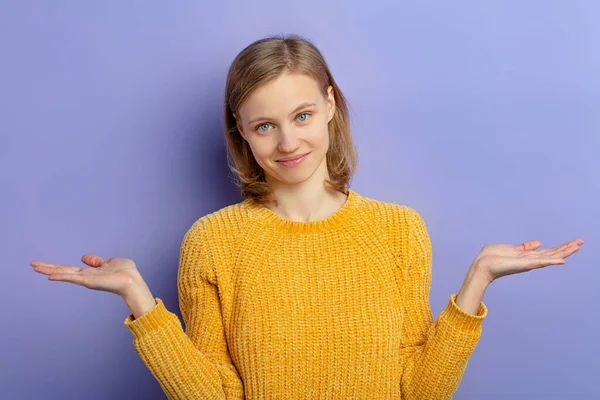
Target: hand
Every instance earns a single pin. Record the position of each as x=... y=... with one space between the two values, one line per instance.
x=115 y=275
x=497 y=260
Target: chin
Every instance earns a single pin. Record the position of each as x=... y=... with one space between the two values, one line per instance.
x=292 y=176
x=293 y=180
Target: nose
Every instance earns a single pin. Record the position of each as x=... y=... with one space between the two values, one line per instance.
x=288 y=140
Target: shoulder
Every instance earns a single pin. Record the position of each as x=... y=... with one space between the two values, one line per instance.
x=391 y=214
x=225 y=222
x=211 y=239
x=403 y=226
x=218 y=228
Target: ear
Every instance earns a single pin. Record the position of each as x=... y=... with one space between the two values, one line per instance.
x=330 y=103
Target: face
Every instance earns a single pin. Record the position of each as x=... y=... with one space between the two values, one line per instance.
x=284 y=118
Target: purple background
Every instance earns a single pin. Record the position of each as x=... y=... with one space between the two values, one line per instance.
x=483 y=116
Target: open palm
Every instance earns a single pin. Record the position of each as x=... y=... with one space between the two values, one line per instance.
x=499 y=260
x=113 y=275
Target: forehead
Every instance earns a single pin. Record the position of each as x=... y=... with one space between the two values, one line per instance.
x=281 y=95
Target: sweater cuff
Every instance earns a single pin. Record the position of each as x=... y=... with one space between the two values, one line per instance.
x=459 y=318
x=152 y=320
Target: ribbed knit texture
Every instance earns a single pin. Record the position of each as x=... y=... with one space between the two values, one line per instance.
x=331 y=309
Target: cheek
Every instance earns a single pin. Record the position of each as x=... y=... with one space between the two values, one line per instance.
x=263 y=150
x=319 y=131
x=322 y=136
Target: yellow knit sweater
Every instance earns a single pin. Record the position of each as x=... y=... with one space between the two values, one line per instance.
x=331 y=309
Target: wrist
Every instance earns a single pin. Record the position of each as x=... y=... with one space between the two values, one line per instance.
x=471 y=293
x=139 y=298
x=479 y=274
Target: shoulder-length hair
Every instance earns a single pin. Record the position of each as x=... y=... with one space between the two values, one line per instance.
x=261 y=62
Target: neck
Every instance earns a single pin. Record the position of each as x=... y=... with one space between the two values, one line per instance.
x=310 y=200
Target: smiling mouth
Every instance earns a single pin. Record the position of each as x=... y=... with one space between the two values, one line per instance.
x=292 y=159
x=294 y=162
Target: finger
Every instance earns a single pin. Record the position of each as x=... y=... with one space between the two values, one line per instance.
x=557 y=257
x=70 y=278
x=45 y=264
x=567 y=244
x=543 y=262
x=93 y=260
x=561 y=247
x=49 y=268
x=567 y=251
x=529 y=245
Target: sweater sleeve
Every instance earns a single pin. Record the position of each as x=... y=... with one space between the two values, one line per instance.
x=194 y=364
x=434 y=354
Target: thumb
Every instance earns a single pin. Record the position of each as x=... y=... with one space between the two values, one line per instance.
x=93 y=260
x=530 y=245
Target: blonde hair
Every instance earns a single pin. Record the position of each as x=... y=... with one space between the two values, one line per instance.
x=261 y=62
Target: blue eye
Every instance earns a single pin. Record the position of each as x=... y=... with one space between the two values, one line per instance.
x=261 y=130
x=307 y=114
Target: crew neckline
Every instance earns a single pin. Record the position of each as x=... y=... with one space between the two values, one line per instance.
x=342 y=215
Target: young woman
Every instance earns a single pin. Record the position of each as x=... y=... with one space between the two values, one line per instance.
x=306 y=289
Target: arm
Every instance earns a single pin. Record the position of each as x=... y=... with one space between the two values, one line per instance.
x=139 y=298
x=434 y=353
x=471 y=292
x=194 y=364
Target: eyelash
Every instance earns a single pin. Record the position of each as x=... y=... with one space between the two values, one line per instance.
x=266 y=123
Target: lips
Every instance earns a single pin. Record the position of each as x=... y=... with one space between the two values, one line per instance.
x=292 y=159
x=294 y=162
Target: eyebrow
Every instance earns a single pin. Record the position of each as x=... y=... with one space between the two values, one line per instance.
x=301 y=106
